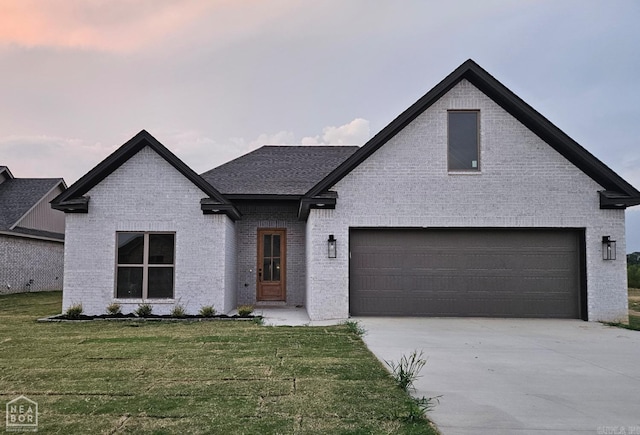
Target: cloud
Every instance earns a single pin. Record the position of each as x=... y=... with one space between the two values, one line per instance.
x=355 y=132
x=127 y=26
x=70 y=158
x=51 y=157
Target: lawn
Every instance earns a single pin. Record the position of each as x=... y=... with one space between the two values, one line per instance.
x=194 y=377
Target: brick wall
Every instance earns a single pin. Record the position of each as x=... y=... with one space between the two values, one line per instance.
x=147 y=194
x=23 y=259
x=270 y=216
x=523 y=183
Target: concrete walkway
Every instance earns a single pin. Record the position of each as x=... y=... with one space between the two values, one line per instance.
x=506 y=376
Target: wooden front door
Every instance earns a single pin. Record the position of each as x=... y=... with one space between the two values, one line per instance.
x=272 y=264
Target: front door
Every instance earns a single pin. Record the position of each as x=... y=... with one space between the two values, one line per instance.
x=271 y=264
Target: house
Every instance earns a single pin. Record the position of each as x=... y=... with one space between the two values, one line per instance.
x=469 y=203
x=31 y=234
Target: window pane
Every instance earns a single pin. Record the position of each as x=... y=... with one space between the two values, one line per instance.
x=129 y=282
x=161 y=248
x=463 y=140
x=276 y=245
x=130 y=248
x=160 y=283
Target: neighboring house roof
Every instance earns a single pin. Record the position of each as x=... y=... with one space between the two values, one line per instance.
x=277 y=170
x=617 y=194
x=73 y=200
x=5 y=174
x=18 y=196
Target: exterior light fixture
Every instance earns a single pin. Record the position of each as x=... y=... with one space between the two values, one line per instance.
x=331 y=245
x=608 y=248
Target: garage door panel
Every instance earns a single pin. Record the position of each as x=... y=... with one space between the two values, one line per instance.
x=506 y=273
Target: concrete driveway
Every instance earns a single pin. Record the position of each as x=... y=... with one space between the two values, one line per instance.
x=512 y=376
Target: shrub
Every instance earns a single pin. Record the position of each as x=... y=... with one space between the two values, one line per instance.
x=245 y=310
x=114 y=308
x=407 y=370
x=258 y=320
x=354 y=327
x=178 y=311
x=207 y=311
x=74 y=311
x=419 y=406
x=144 y=310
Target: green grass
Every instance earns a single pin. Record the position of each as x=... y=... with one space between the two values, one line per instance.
x=200 y=377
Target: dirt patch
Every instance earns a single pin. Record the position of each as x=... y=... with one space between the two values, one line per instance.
x=634 y=301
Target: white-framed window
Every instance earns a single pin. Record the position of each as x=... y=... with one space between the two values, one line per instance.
x=145 y=265
x=464 y=140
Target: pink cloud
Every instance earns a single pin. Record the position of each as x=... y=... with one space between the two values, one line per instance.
x=124 y=25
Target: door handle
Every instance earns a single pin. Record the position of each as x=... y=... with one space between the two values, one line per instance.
x=260 y=275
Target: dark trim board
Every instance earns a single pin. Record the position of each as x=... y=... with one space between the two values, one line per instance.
x=461 y=272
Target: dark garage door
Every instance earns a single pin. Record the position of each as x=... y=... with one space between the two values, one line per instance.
x=451 y=273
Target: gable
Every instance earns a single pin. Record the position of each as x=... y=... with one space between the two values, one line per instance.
x=520 y=176
x=76 y=200
x=617 y=192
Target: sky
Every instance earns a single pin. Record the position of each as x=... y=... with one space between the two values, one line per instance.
x=214 y=79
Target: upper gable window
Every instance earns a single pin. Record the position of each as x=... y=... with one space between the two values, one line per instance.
x=464 y=143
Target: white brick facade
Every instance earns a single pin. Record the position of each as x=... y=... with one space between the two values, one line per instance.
x=146 y=193
x=30 y=264
x=523 y=183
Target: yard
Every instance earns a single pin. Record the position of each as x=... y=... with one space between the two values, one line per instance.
x=194 y=377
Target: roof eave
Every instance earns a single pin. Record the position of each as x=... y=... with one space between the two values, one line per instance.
x=615 y=200
x=73 y=205
x=211 y=206
x=326 y=201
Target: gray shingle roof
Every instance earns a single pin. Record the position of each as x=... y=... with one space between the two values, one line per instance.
x=277 y=170
x=18 y=195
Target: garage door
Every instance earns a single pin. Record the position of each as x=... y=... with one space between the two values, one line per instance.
x=451 y=273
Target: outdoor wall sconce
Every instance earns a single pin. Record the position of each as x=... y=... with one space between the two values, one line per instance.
x=608 y=248
x=331 y=245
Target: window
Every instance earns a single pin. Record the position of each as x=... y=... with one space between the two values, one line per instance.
x=463 y=141
x=145 y=265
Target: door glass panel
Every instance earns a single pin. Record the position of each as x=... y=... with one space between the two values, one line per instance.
x=130 y=248
x=271 y=261
x=266 y=246
x=276 y=269
x=266 y=269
